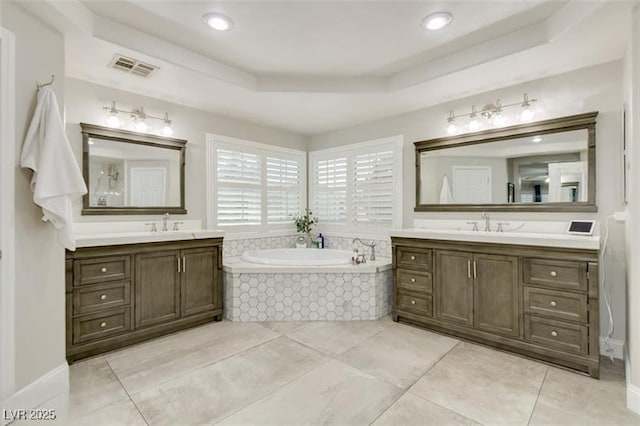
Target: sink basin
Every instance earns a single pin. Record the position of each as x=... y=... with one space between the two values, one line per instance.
x=520 y=238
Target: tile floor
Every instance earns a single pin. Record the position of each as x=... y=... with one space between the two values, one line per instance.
x=342 y=373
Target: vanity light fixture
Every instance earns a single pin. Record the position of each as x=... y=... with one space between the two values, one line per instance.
x=113 y=120
x=218 y=21
x=493 y=113
x=139 y=118
x=437 y=21
x=451 y=128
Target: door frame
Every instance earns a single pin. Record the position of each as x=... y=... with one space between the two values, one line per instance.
x=7 y=213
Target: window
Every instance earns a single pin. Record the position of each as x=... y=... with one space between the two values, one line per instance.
x=253 y=185
x=359 y=186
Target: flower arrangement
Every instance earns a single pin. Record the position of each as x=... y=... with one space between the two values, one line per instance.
x=305 y=222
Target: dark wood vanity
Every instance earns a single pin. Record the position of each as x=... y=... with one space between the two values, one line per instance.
x=540 y=302
x=122 y=294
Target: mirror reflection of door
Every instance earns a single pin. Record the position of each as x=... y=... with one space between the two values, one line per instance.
x=471 y=184
x=568 y=182
x=147 y=186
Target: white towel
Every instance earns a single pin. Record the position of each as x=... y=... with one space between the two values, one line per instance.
x=57 y=179
x=445 y=192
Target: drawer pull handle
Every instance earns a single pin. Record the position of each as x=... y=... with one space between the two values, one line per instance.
x=413 y=258
x=553 y=303
x=103 y=324
x=554 y=333
x=413 y=302
x=103 y=270
x=553 y=273
x=103 y=297
x=413 y=280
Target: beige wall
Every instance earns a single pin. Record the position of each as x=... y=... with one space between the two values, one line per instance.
x=632 y=100
x=39 y=286
x=597 y=88
x=84 y=102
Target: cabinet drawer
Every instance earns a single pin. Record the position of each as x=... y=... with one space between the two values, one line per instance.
x=556 y=274
x=414 y=258
x=421 y=282
x=555 y=304
x=102 y=269
x=101 y=325
x=417 y=304
x=101 y=297
x=563 y=336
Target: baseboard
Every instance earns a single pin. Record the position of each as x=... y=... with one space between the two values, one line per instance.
x=633 y=398
x=35 y=394
x=617 y=348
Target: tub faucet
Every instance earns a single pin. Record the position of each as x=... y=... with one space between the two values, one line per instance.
x=487 y=221
x=165 y=221
x=372 y=246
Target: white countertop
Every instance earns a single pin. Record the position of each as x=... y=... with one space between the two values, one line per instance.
x=115 y=238
x=522 y=238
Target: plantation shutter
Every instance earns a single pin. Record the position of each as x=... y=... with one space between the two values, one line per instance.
x=283 y=189
x=238 y=195
x=373 y=188
x=330 y=195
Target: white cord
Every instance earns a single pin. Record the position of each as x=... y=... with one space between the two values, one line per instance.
x=606 y=294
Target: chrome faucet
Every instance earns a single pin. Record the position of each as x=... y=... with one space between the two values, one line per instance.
x=372 y=246
x=165 y=221
x=487 y=221
x=475 y=226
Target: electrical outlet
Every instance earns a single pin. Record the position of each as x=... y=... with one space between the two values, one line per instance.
x=620 y=216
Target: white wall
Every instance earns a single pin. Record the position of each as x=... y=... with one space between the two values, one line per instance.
x=84 y=102
x=597 y=88
x=39 y=284
x=632 y=100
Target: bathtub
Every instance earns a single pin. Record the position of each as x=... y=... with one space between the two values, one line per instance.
x=289 y=284
x=298 y=257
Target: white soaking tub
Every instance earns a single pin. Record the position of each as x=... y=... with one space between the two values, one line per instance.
x=298 y=257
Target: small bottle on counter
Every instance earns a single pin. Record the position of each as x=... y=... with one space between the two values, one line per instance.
x=320 y=241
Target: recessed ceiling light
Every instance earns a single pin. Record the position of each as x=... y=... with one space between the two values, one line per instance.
x=536 y=139
x=218 y=21
x=436 y=21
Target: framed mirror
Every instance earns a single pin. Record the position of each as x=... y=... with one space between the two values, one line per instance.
x=543 y=166
x=132 y=173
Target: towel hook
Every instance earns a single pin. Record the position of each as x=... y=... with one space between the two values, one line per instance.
x=41 y=85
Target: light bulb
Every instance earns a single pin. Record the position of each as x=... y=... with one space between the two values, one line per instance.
x=536 y=139
x=547 y=180
x=141 y=126
x=499 y=120
x=452 y=129
x=526 y=114
x=114 y=121
x=167 y=130
x=474 y=124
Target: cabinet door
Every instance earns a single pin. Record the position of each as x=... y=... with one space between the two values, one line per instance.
x=454 y=287
x=199 y=280
x=496 y=294
x=157 y=288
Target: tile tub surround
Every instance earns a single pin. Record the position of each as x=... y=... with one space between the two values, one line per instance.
x=263 y=293
x=350 y=372
x=235 y=245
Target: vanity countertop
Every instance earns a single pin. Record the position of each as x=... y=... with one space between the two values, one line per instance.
x=521 y=238
x=116 y=238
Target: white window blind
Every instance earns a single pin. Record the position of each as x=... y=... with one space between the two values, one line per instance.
x=254 y=185
x=373 y=188
x=330 y=195
x=283 y=189
x=357 y=186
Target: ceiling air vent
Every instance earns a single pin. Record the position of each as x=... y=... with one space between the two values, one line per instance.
x=132 y=66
